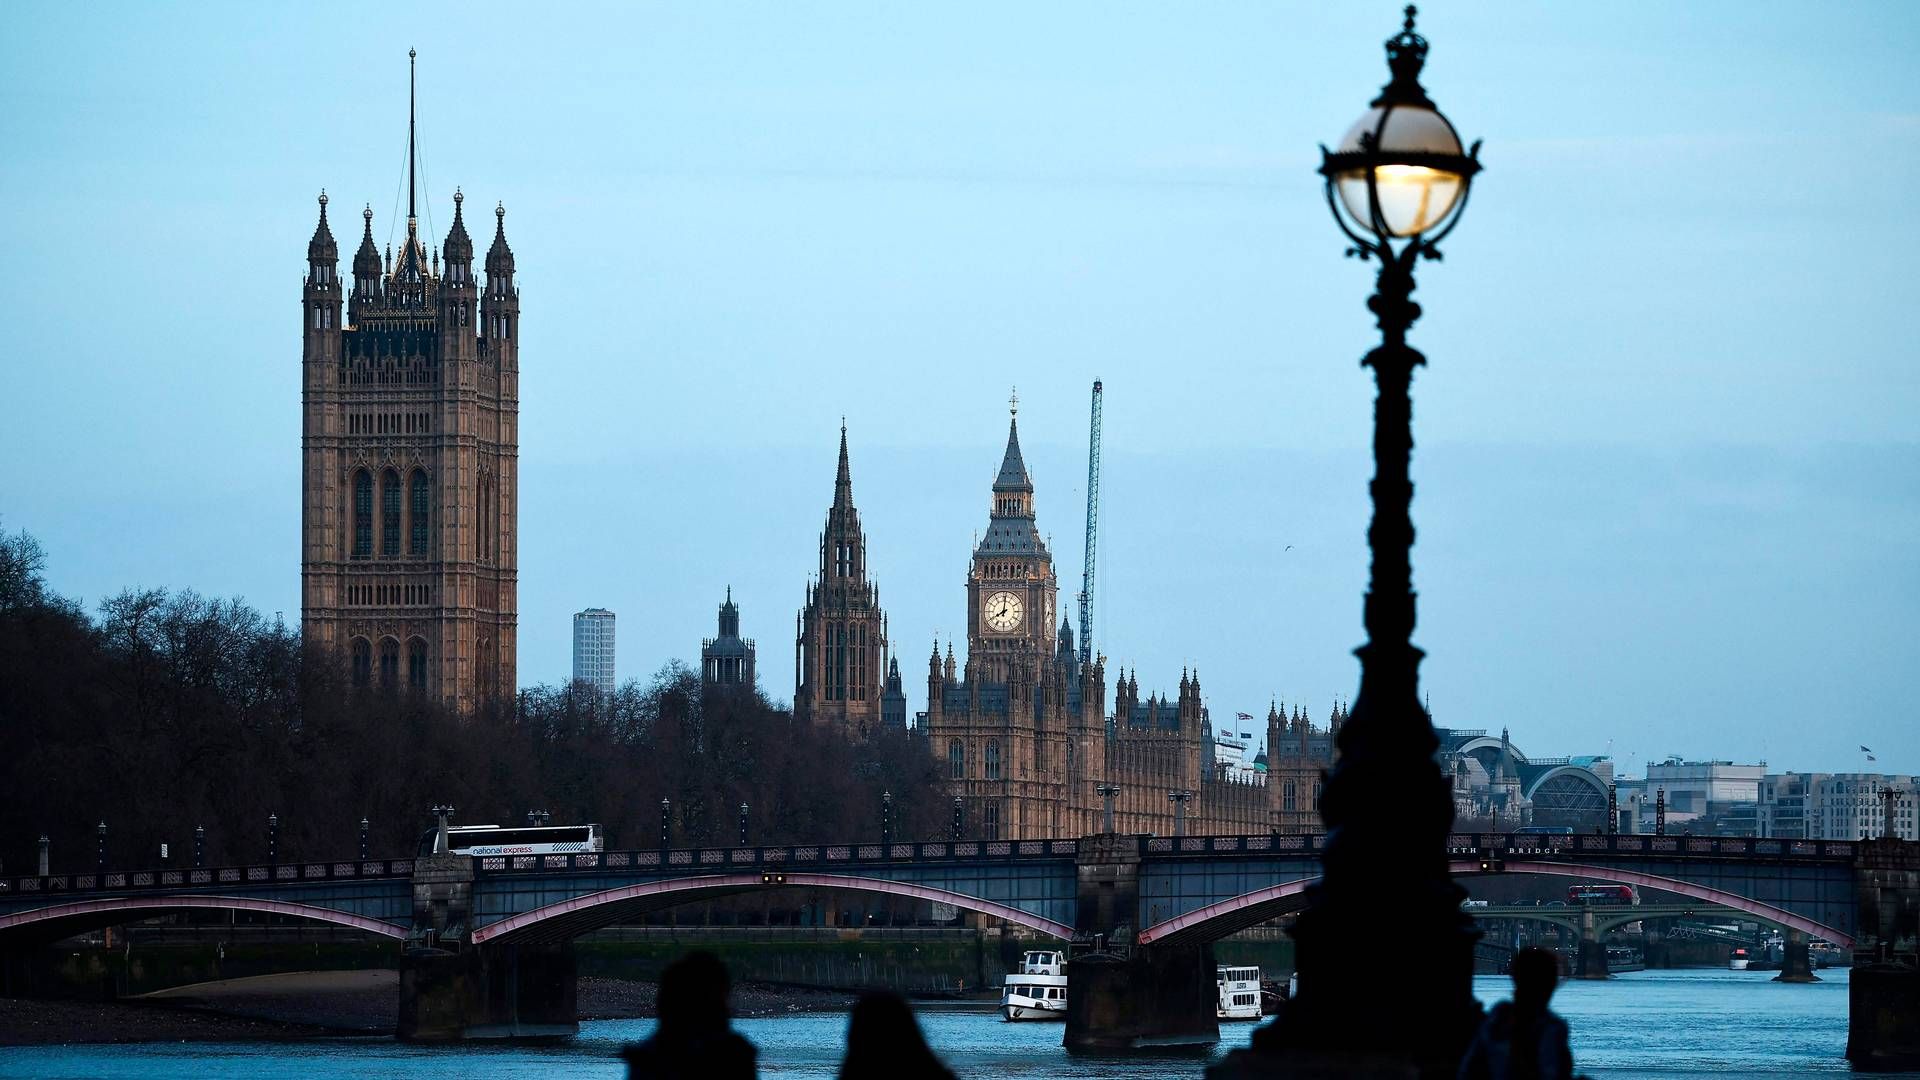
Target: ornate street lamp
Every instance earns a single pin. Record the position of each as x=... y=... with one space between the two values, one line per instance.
x=1396 y=186
x=1179 y=800
x=886 y=823
x=1107 y=792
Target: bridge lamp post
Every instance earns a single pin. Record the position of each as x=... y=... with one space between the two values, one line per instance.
x=273 y=839
x=743 y=824
x=886 y=821
x=957 y=818
x=1107 y=793
x=100 y=855
x=1396 y=186
x=1179 y=800
x=200 y=846
x=45 y=845
x=442 y=814
x=364 y=826
x=666 y=820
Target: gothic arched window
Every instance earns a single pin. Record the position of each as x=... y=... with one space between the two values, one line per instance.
x=421 y=509
x=990 y=821
x=390 y=513
x=417 y=664
x=362 y=661
x=362 y=514
x=956 y=760
x=1287 y=796
x=389 y=662
x=993 y=759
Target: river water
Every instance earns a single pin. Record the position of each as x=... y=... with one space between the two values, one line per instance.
x=1639 y=1025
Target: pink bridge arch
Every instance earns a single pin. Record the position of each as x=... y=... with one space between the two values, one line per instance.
x=80 y=910
x=1236 y=913
x=568 y=918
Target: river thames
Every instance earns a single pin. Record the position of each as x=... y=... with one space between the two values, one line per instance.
x=1640 y=1025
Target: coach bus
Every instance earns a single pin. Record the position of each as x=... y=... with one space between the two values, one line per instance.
x=529 y=840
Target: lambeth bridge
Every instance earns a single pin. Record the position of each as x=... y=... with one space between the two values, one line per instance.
x=487 y=940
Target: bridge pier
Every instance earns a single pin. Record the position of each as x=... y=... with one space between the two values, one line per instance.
x=1796 y=965
x=487 y=992
x=1124 y=997
x=1591 y=961
x=452 y=989
x=1653 y=948
x=1883 y=1020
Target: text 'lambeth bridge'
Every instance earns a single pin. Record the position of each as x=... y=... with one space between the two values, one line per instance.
x=487 y=940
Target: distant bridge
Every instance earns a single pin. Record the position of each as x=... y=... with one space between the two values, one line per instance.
x=1111 y=895
x=1191 y=889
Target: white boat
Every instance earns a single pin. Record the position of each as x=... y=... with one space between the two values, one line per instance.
x=1038 y=991
x=1239 y=993
x=1739 y=960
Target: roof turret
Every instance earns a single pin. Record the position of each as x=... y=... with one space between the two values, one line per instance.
x=459 y=246
x=366 y=261
x=500 y=256
x=322 y=249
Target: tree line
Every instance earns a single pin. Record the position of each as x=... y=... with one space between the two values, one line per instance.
x=164 y=710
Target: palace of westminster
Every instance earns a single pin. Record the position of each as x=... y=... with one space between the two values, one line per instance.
x=409 y=572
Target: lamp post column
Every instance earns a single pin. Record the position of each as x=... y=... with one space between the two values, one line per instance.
x=1107 y=792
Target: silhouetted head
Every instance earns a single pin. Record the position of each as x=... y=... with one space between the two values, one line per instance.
x=1535 y=972
x=693 y=992
x=883 y=1040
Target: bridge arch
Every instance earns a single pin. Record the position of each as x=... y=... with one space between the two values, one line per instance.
x=570 y=918
x=1217 y=920
x=61 y=920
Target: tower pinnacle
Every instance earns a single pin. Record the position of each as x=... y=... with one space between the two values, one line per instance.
x=411 y=223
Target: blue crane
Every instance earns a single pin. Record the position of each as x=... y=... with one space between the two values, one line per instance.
x=1093 y=531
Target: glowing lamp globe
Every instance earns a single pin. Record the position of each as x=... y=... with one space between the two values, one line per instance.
x=1400 y=171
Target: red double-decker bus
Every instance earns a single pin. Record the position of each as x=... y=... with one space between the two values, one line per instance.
x=1596 y=893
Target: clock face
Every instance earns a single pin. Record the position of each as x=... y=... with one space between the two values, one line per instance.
x=1002 y=611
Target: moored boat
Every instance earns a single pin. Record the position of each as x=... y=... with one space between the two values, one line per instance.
x=1739 y=960
x=1038 y=990
x=1238 y=993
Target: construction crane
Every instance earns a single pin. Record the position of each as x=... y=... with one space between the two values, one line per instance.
x=1093 y=532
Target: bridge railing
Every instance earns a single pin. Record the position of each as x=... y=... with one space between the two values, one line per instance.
x=1577 y=846
x=211 y=877
x=718 y=860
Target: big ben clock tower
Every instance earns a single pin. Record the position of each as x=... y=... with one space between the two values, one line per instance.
x=1011 y=587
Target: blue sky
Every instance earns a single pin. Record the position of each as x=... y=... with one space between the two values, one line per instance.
x=1668 y=463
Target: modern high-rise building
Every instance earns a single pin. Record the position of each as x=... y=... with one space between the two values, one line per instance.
x=410 y=459
x=593 y=649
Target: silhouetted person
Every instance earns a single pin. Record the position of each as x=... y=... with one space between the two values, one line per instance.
x=694 y=1039
x=884 y=1041
x=1522 y=1039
